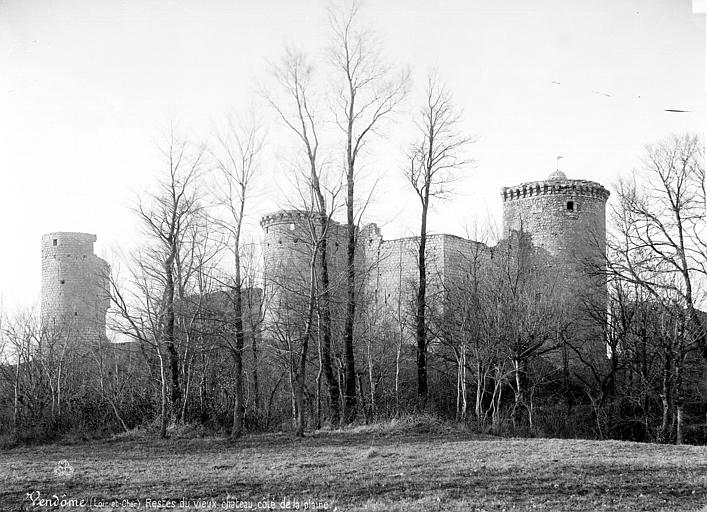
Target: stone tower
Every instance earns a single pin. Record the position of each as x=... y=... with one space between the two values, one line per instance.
x=566 y=218
x=287 y=255
x=287 y=244
x=74 y=287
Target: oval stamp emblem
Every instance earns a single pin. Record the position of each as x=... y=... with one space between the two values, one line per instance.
x=63 y=469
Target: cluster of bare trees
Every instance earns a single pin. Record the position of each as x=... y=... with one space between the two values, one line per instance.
x=367 y=92
x=53 y=382
x=507 y=328
x=657 y=264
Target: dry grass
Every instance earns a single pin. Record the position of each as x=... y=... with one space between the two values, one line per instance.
x=408 y=467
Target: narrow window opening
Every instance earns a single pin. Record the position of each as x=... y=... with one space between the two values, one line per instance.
x=76 y=314
x=570 y=206
x=54 y=242
x=61 y=281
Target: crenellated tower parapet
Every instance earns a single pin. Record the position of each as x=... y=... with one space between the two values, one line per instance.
x=556 y=184
x=565 y=217
x=289 y=217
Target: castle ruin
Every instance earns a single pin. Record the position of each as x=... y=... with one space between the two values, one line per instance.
x=74 y=293
x=564 y=218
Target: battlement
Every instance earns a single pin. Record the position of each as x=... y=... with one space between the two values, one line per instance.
x=286 y=217
x=553 y=186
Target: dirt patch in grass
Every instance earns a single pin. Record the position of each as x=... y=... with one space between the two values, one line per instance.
x=360 y=469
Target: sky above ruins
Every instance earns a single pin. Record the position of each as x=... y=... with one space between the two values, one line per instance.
x=89 y=89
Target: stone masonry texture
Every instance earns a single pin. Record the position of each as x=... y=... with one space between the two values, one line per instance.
x=74 y=294
x=564 y=217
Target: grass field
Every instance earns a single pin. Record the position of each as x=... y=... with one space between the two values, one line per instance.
x=382 y=468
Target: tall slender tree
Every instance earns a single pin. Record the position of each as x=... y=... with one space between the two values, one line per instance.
x=236 y=158
x=367 y=93
x=294 y=76
x=166 y=216
x=432 y=161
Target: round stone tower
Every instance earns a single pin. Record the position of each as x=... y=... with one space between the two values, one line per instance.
x=566 y=218
x=563 y=216
x=287 y=244
x=74 y=297
x=287 y=253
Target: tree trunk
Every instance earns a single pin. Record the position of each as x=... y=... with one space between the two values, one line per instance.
x=169 y=323
x=479 y=392
x=665 y=396
x=679 y=437
x=397 y=372
x=270 y=400
x=463 y=382
x=238 y=406
x=679 y=394
x=300 y=416
x=163 y=396
x=238 y=409
x=187 y=390
x=459 y=388
x=496 y=399
x=16 y=401
x=256 y=382
x=371 y=382
x=318 y=389
x=349 y=365
x=325 y=307
x=363 y=399
x=302 y=364
x=519 y=394
x=420 y=314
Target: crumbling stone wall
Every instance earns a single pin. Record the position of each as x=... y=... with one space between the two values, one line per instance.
x=74 y=293
x=564 y=218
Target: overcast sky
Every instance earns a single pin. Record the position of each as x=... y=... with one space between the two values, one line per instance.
x=88 y=89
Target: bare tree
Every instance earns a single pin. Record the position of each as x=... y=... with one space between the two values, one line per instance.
x=166 y=216
x=237 y=160
x=659 y=241
x=432 y=161
x=137 y=315
x=20 y=340
x=295 y=295
x=367 y=94
x=294 y=76
x=527 y=314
